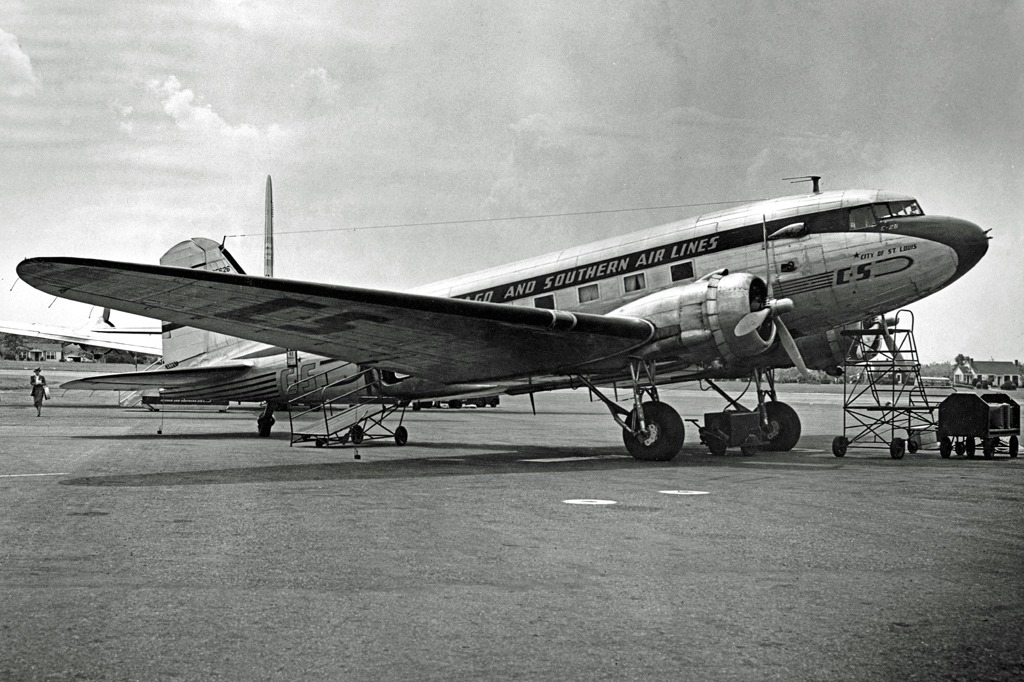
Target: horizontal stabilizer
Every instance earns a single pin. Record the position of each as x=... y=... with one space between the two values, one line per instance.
x=160 y=378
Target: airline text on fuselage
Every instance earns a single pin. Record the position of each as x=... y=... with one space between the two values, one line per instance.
x=577 y=276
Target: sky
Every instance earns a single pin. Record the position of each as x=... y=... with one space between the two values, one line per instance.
x=128 y=127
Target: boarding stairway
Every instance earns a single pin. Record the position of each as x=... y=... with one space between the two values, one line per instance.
x=342 y=408
x=885 y=401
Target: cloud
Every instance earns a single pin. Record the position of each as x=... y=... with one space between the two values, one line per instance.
x=547 y=160
x=180 y=105
x=16 y=77
x=318 y=89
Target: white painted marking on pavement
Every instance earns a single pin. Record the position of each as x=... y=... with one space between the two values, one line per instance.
x=789 y=464
x=550 y=460
x=25 y=475
x=589 y=501
x=684 y=492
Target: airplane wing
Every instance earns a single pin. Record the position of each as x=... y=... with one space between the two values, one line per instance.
x=160 y=378
x=437 y=338
x=149 y=345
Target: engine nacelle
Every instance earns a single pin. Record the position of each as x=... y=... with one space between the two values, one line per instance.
x=696 y=320
x=825 y=351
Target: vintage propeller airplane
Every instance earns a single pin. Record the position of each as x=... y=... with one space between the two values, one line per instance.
x=730 y=294
x=98 y=333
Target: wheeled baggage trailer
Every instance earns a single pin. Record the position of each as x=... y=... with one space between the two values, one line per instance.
x=967 y=418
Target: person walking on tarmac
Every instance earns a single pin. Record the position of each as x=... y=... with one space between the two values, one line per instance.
x=39 y=391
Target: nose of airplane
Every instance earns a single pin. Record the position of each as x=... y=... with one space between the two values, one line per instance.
x=968 y=240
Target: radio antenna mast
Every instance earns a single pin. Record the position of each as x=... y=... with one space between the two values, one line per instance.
x=813 y=179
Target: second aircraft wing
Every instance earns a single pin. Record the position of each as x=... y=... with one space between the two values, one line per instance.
x=148 y=344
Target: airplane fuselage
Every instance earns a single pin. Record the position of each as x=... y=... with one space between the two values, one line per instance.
x=840 y=257
x=855 y=254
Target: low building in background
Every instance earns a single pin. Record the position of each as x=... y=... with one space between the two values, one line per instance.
x=971 y=372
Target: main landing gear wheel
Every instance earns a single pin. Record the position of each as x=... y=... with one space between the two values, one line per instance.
x=783 y=427
x=662 y=436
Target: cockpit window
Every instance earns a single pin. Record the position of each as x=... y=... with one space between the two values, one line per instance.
x=861 y=218
x=895 y=209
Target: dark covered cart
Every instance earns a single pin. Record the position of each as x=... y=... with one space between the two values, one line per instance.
x=967 y=419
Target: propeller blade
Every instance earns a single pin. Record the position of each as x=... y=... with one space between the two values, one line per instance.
x=790 y=346
x=751 y=321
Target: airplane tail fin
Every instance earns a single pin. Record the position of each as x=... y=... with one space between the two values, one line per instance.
x=188 y=343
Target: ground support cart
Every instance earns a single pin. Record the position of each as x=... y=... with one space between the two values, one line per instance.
x=729 y=429
x=965 y=419
x=885 y=403
x=750 y=430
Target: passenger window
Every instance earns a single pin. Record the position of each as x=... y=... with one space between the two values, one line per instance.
x=545 y=302
x=588 y=293
x=634 y=282
x=861 y=218
x=681 y=271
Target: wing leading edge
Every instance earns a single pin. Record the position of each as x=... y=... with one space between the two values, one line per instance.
x=443 y=339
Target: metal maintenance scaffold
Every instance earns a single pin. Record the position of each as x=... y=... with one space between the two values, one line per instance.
x=885 y=401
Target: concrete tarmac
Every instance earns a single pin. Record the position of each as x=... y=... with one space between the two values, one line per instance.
x=208 y=553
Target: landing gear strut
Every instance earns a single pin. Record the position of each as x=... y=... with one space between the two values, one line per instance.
x=652 y=431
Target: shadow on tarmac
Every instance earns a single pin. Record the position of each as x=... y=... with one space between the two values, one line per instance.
x=497 y=460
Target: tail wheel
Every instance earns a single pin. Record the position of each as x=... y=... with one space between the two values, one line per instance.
x=263 y=425
x=662 y=437
x=356 y=433
x=401 y=435
x=783 y=427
